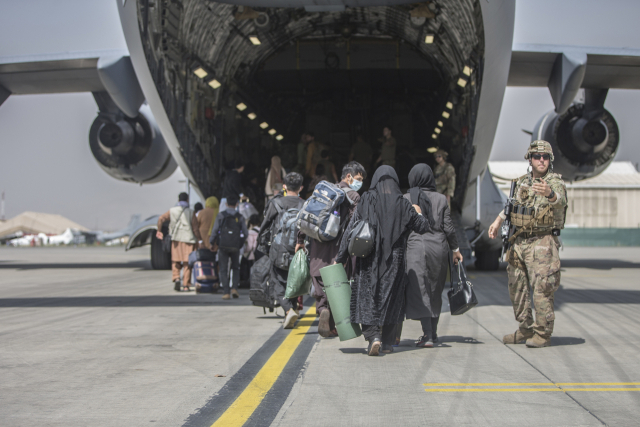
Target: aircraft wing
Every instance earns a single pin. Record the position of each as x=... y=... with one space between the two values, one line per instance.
x=606 y=68
x=92 y=71
x=53 y=73
x=565 y=69
x=111 y=79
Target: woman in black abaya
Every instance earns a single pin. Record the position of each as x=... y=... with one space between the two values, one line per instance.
x=378 y=288
x=428 y=254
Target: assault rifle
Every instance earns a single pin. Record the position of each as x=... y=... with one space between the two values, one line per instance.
x=507 y=228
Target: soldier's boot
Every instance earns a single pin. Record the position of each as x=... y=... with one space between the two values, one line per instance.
x=516 y=338
x=538 y=342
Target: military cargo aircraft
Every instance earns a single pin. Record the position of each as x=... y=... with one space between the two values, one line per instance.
x=205 y=81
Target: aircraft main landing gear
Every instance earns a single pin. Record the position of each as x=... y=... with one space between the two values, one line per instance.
x=160 y=260
x=488 y=260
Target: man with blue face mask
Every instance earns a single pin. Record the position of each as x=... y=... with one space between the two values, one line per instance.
x=322 y=254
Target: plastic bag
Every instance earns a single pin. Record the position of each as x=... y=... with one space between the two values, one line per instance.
x=247 y=209
x=299 y=279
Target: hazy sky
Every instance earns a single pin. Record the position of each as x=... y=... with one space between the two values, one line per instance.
x=46 y=164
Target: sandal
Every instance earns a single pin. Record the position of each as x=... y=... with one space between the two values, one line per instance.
x=374 y=347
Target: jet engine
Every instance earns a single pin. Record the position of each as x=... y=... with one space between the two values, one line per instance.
x=131 y=149
x=584 y=140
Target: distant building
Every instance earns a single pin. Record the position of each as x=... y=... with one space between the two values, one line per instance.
x=609 y=200
x=36 y=223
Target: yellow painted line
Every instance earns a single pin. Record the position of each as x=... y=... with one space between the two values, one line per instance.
x=519 y=384
x=582 y=384
x=485 y=384
x=466 y=390
x=240 y=410
x=518 y=387
x=602 y=389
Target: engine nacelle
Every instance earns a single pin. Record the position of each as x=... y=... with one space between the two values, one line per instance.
x=584 y=144
x=129 y=149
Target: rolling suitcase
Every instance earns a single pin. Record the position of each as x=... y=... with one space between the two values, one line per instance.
x=201 y=255
x=204 y=277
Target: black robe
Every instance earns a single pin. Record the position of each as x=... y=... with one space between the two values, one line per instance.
x=379 y=281
x=428 y=261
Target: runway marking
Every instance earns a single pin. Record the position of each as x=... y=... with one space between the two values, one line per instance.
x=466 y=390
x=520 y=384
x=526 y=387
x=597 y=384
x=602 y=389
x=244 y=406
x=484 y=384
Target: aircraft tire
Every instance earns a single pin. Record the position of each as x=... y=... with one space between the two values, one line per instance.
x=488 y=260
x=160 y=260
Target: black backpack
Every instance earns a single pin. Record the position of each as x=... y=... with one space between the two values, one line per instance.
x=261 y=290
x=230 y=235
x=284 y=235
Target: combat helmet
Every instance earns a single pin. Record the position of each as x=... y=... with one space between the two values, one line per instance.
x=442 y=153
x=539 y=146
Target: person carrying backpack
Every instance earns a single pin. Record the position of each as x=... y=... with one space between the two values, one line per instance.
x=278 y=237
x=323 y=253
x=229 y=233
x=183 y=240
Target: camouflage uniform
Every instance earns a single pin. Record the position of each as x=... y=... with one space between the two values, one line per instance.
x=533 y=259
x=445 y=176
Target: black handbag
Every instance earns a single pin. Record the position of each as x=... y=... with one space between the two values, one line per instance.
x=461 y=295
x=166 y=243
x=361 y=240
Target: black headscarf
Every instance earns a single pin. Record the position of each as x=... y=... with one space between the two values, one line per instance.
x=421 y=178
x=384 y=207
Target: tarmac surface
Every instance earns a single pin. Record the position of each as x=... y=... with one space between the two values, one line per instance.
x=93 y=336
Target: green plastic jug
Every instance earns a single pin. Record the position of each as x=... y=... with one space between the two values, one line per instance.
x=338 y=290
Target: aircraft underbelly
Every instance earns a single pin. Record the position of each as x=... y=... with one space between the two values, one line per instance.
x=225 y=82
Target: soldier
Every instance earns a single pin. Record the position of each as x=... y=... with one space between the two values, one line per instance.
x=538 y=215
x=445 y=175
x=388 y=149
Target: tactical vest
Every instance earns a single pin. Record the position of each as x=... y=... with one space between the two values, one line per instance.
x=528 y=206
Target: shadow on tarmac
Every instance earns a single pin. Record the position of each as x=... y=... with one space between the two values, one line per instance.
x=489 y=296
x=126 y=301
x=356 y=350
x=597 y=264
x=594 y=264
x=140 y=265
x=558 y=341
x=458 y=339
x=597 y=296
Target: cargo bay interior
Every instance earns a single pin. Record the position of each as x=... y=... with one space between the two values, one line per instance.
x=247 y=82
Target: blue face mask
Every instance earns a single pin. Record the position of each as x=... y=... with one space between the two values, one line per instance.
x=356 y=185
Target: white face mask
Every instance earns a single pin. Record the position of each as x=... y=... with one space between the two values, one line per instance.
x=356 y=185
